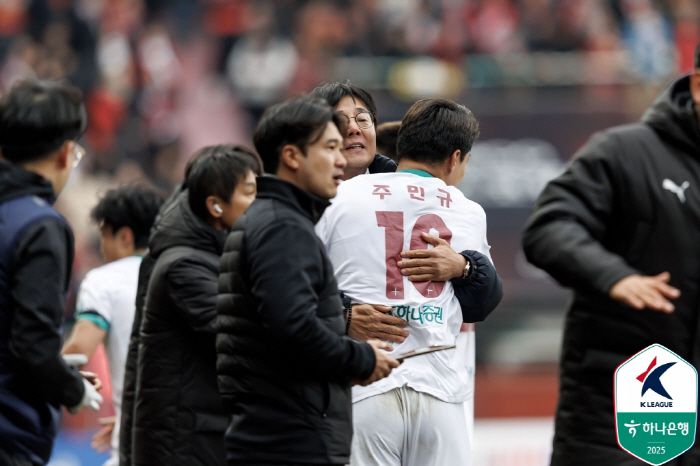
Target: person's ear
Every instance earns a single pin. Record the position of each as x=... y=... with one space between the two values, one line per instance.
x=453 y=161
x=63 y=156
x=290 y=157
x=695 y=87
x=125 y=236
x=214 y=206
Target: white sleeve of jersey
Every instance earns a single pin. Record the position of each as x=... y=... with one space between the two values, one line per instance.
x=93 y=297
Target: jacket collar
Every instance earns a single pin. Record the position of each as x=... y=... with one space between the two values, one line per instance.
x=302 y=201
x=15 y=182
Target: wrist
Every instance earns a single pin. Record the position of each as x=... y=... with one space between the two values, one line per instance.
x=468 y=267
x=348 y=318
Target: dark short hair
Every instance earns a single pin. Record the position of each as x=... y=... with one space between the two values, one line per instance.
x=299 y=122
x=697 y=56
x=37 y=117
x=334 y=92
x=433 y=129
x=387 y=134
x=216 y=171
x=132 y=206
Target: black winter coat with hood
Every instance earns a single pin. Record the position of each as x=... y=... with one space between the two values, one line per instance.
x=178 y=415
x=613 y=213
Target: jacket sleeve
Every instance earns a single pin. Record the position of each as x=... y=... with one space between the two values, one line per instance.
x=382 y=164
x=285 y=254
x=564 y=232
x=41 y=266
x=481 y=291
x=194 y=289
x=131 y=370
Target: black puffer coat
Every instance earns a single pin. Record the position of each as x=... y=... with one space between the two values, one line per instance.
x=613 y=213
x=178 y=415
x=284 y=363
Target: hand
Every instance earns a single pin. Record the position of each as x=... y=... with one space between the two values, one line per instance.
x=384 y=364
x=91 y=399
x=102 y=440
x=641 y=292
x=437 y=264
x=93 y=379
x=371 y=321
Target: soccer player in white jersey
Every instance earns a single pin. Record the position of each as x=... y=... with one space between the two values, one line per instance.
x=106 y=301
x=415 y=416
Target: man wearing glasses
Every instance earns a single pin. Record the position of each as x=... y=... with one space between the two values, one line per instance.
x=437 y=264
x=40 y=123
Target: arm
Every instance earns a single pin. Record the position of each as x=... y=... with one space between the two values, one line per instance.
x=370 y=321
x=565 y=231
x=84 y=339
x=194 y=288
x=35 y=339
x=93 y=313
x=290 y=311
x=478 y=294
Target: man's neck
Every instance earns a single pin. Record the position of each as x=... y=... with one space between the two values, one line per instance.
x=413 y=165
x=42 y=169
x=351 y=172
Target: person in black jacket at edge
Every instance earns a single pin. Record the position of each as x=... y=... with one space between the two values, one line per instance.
x=284 y=363
x=478 y=287
x=174 y=414
x=622 y=228
x=40 y=123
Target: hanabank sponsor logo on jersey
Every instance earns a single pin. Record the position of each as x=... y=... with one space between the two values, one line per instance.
x=655 y=405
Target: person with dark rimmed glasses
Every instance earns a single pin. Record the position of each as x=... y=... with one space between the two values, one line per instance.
x=40 y=124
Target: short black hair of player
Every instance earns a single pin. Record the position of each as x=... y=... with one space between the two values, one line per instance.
x=216 y=171
x=37 y=117
x=334 y=92
x=132 y=206
x=299 y=122
x=433 y=129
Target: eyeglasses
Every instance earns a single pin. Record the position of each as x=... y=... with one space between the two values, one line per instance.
x=78 y=154
x=363 y=119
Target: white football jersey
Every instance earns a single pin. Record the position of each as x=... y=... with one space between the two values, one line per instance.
x=110 y=292
x=372 y=219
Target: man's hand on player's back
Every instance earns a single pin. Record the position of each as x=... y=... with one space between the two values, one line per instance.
x=437 y=264
x=372 y=321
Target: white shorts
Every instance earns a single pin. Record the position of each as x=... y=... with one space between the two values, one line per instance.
x=403 y=427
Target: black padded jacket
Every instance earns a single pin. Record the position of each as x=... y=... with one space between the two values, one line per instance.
x=284 y=363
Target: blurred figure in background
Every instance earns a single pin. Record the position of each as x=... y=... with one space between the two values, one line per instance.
x=105 y=307
x=387 y=134
x=40 y=124
x=172 y=411
x=621 y=228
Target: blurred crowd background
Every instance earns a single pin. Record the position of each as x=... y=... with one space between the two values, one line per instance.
x=163 y=78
